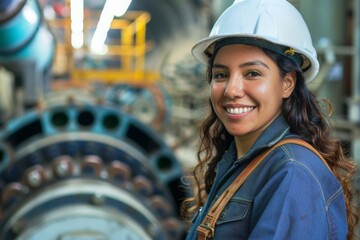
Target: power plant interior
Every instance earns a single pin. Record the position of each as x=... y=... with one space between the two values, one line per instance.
x=100 y=104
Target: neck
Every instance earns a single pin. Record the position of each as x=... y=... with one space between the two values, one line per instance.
x=243 y=146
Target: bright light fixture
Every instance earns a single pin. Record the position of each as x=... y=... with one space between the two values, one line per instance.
x=111 y=8
x=120 y=7
x=77 y=23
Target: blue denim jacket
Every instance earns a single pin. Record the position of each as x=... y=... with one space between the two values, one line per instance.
x=291 y=195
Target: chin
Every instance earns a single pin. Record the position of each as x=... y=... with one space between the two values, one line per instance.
x=238 y=132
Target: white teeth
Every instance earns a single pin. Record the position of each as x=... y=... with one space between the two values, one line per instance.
x=239 y=110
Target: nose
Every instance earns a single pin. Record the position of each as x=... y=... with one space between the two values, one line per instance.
x=235 y=87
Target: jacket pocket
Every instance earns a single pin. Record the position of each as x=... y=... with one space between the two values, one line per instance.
x=234 y=221
x=237 y=209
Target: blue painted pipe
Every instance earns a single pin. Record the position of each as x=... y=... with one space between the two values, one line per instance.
x=24 y=34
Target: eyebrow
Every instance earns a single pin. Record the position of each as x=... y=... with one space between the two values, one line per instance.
x=251 y=63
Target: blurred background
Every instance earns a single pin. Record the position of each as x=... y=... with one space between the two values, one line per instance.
x=100 y=101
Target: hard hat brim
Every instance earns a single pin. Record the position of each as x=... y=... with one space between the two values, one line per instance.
x=200 y=48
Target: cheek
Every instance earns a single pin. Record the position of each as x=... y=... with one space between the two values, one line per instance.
x=260 y=89
x=268 y=90
x=216 y=91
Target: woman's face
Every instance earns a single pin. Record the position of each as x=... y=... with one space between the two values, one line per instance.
x=247 y=90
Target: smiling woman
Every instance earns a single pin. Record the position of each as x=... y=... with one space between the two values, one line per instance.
x=260 y=56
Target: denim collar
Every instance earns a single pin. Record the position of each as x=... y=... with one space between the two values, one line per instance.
x=272 y=134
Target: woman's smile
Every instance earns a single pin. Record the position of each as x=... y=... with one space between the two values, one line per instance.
x=237 y=112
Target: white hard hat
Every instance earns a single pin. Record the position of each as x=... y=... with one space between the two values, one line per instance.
x=272 y=24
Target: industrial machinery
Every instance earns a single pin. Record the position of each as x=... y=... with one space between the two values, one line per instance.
x=77 y=164
x=86 y=171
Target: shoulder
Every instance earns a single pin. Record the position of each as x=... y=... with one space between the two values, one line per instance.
x=302 y=166
x=294 y=155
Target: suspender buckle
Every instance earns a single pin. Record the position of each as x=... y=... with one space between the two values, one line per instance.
x=206 y=231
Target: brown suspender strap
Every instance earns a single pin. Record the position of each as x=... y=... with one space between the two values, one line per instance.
x=207 y=228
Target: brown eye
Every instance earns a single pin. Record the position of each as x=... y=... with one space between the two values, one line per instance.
x=219 y=76
x=253 y=74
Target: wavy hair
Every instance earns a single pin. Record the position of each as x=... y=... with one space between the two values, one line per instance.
x=305 y=115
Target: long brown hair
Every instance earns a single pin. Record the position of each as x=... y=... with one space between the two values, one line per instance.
x=305 y=115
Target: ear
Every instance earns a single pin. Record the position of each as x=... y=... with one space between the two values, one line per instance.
x=289 y=83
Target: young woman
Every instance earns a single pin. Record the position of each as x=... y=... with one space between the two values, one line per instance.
x=260 y=58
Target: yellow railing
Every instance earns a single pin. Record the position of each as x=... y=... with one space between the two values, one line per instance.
x=127 y=51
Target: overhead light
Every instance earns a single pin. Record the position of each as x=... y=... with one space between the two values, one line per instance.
x=120 y=7
x=77 y=23
x=77 y=39
x=111 y=8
